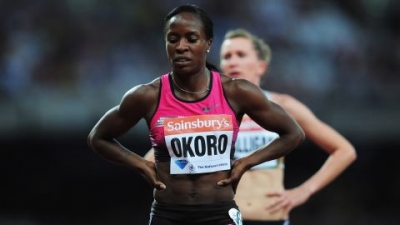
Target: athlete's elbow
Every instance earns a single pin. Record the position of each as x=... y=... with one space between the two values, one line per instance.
x=351 y=154
x=292 y=140
x=93 y=142
x=295 y=139
x=299 y=136
x=89 y=140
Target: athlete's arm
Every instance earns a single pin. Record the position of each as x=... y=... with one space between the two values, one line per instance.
x=247 y=98
x=134 y=106
x=340 y=150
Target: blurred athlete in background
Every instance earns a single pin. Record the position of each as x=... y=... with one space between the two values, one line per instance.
x=261 y=195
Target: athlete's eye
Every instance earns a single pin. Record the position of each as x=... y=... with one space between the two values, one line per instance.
x=192 y=39
x=241 y=55
x=226 y=56
x=172 y=39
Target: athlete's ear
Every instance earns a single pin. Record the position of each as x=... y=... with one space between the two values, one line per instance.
x=262 y=67
x=209 y=42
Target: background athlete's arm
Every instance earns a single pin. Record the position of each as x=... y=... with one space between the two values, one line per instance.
x=341 y=154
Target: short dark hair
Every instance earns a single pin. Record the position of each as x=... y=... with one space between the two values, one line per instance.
x=208 y=24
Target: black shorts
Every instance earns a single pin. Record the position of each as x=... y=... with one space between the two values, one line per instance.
x=216 y=214
x=256 y=222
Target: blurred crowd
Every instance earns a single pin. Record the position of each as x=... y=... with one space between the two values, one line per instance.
x=63 y=62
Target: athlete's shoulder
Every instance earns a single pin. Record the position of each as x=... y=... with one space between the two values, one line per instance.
x=143 y=92
x=282 y=98
x=292 y=105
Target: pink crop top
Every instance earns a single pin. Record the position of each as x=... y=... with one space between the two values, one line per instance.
x=185 y=130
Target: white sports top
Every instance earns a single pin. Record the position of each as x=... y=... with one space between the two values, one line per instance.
x=251 y=136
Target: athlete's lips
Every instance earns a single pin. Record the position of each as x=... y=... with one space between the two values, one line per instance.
x=181 y=60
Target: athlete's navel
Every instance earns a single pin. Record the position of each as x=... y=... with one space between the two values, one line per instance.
x=192 y=194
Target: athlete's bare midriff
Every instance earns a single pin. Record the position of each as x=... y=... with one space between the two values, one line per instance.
x=251 y=195
x=192 y=189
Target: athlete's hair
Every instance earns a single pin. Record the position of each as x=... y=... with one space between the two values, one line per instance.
x=263 y=50
x=208 y=24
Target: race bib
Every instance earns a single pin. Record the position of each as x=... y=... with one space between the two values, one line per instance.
x=251 y=136
x=199 y=144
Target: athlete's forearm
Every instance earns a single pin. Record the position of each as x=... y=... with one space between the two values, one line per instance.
x=336 y=163
x=113 y=151
x=276 y=149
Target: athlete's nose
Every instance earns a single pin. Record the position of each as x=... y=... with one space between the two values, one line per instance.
x=232 y=62
x=182 y=45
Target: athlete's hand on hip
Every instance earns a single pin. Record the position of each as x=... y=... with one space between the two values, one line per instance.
x=287 y=199
x=149 y=173
x=235 y=175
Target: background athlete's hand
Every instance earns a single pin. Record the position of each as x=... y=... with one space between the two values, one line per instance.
x=149 y=173
x=288 y=199
x=237 y=170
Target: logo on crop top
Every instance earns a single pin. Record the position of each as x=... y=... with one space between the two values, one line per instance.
x=160 y=121
x=208 y=109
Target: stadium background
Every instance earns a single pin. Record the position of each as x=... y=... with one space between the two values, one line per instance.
x=63 y=63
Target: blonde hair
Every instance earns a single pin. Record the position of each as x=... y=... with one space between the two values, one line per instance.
x=263 y=50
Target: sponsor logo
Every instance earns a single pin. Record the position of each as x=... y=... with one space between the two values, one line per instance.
x=236 y=216
x=207 y=109
x=197 y=124
x=181 y=163
x=191 y=167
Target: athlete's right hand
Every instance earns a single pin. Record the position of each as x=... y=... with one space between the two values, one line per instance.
x=149 y=173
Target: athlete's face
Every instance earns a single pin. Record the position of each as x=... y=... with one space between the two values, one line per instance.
x=186 y=43
x=239 y=60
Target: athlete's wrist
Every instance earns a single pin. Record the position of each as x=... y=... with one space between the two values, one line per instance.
x=310 y=189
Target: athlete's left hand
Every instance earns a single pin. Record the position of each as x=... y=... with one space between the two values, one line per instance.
x=237 y=170
x=287 y=199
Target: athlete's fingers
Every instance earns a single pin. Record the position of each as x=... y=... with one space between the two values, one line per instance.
x=227 y=182
x=224 y=182
x=150 y=174
x=277 y=208
x=235 y=175
x=274 y=194
x=274 y=204
x=160 y=185
x=278 y=205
